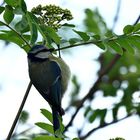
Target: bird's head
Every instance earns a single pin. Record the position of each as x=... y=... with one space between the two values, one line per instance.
x=38 y=52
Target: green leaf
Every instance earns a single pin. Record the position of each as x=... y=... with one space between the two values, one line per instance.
x=47 y=114
x=2 y=24
x=83 y=35
x=18 y=10
x=115 y=112
x=93 y=116
x=100 y=45
x=69 y=25
x=24 y=117
x=23 y=6
x=12 y=3
x=22 y=26
x=49 y=31
x=36 y=22
x=14 y=39
x=102 y=114
x=46 y=137
x=134 y=41
x=45 y=126
x=33 y=29
x=128 y=29
x=96 y=37
x=26 y=48
x=125 y=44
x=115 y=46
x=75 y=139
x=88 y=109
x=1 y=9
x=94 y=22
x=73 y=41
x=8 y=14
x=136 y=27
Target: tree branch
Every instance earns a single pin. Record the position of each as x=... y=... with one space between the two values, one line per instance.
x=16 y=33
x=116 y=15
x=103 y=125
x=19 y=112
x=94 y=88
x=137 y=20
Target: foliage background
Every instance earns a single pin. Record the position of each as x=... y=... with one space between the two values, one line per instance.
x=13 y=56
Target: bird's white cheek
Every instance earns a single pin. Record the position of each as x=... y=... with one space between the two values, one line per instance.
x=42 y=55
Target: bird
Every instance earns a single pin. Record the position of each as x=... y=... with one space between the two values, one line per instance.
x=50 y=76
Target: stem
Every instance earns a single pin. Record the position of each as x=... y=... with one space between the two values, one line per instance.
x=94 y=88
x=116 y=15
x=19 y=111
x=16 y=33
x=104 y=125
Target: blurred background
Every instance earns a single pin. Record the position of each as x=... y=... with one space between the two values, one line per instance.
x=85 y=63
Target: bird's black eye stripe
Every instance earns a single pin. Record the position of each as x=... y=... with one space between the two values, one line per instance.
x=45 y=50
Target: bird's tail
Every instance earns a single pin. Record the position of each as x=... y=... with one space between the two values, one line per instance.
x=56 y=123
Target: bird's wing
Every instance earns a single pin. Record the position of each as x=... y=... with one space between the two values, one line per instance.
x=46 y=77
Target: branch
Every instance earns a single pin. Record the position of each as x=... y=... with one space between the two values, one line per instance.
x=16 y=33
x=116 y=15
x=104 y=125
x=94 y=88
x=19 y=112
x=137 y=20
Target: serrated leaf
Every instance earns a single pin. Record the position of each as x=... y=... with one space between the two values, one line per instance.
x=33 y=29
x=102 y=114
x=115 y=112
x=83 y=35
x=73 y=41
x=69 y=25
x=46 y=137
x=109 y=34
x=51 y=33
x=26 y=48
x=75 y=139
x=100 y=45
x=9 y=38
x=18 y=10
x=128 y=29
x=12 y=3
x=93 y=116
x=134 y=41
x=2 y=24
x=36 y=22
x=136 y=27
x=115 y=46
x=22 y=26
x=88 y=109
x=23 y=6
x=45 y=126
x=62 y=127
x=1 y=9
x=125 y=44
x=47 y=114
x=8 y=14
x=96 y=37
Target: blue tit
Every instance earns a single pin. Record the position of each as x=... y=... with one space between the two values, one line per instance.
x=50 y=76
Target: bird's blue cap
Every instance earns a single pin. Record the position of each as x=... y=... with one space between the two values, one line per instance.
x=38 y=48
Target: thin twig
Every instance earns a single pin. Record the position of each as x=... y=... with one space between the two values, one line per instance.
x=137 y=20
x=19 y=111
x=102 y=126
x=94 y=88
x=116 y=17
x=16 y=33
